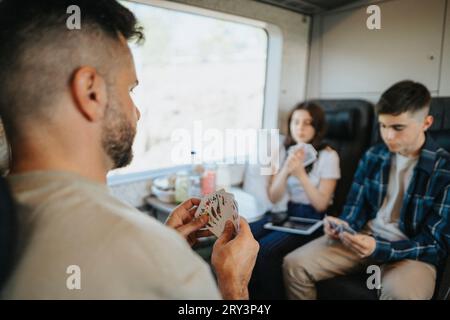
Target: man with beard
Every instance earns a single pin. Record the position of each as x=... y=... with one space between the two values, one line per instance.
x=66 y=106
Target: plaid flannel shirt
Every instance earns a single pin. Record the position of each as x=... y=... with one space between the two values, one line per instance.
x=425 y=212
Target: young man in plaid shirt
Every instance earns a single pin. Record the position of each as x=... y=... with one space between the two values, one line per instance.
x=399 y=204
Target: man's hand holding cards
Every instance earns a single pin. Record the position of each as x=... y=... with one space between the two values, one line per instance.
x=341 y=228
x=233 y=255
x=220 y=206
x=335 y=227
x=361 y=244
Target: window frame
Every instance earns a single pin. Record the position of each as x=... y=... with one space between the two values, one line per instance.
x=272 y=78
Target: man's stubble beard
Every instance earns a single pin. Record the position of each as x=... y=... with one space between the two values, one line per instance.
x=118 y=135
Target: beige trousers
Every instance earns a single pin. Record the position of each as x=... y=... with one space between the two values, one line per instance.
x=324 y=258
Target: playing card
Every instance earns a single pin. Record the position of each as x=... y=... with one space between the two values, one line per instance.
x=230 y=209
x=341 y=228
x=209 y=205
x=310 y=152
x=220 y=206
x=348 y=229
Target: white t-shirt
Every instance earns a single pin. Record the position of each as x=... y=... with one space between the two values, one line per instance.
x=67 y=220
x=386 y=221
x=325 y=167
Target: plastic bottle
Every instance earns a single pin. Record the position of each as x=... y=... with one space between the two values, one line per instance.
x=181 y=187
x=209 y=179
x=195 y=178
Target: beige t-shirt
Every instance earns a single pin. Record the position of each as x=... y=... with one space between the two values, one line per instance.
x=386 y=222
x=121 y=253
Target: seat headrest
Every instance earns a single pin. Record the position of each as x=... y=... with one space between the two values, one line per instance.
x=341 y=123
x=442 y=138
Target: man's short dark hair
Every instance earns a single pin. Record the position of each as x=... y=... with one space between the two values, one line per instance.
x=402 y=97
x=39 y=53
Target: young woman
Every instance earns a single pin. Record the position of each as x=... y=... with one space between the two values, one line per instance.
x=310 y=190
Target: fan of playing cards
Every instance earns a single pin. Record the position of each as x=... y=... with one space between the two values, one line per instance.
x=220 y=206
x=310 y=152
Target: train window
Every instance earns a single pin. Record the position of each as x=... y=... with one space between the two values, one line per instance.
x=194 y=71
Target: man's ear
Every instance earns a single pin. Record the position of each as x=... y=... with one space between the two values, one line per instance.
x=89 y=92
x=428 y=122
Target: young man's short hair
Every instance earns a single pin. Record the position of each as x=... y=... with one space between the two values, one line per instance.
x=402 y=97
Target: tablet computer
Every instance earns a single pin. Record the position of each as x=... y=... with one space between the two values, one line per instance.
x=296 y=225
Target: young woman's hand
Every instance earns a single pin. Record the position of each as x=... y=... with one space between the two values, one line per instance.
x=294 y=162
x=300 y=171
